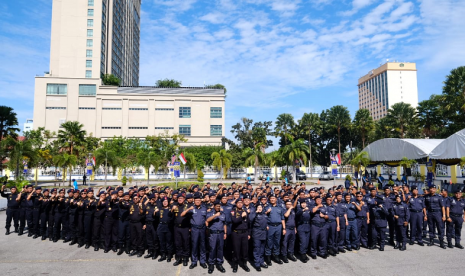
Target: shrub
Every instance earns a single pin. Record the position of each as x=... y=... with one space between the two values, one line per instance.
x=124 y=180
x=200 y=176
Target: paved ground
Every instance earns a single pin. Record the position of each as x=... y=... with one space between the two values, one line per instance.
x=25 y=256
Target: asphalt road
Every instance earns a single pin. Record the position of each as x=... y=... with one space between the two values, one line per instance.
x=26 y=256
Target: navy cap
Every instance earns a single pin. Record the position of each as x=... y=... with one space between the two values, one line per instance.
x=301 y=200
x=114 y=193
x=328 y=196
x=126 y=194
x=120 y=188
x=217 y=202
x=70 y=191
x=151 y=196
x=38 y=188
x=233 y=183
x=189 y=196
x=101 y=193
x=433 y=186
x=443 y=189
x=337 y=193
x=414 y=188
x=29 y=186
x=46 y=190
x=61 y=190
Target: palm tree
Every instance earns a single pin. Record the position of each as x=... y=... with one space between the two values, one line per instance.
x=147 y=159
x=401 y=116
x=310 y=121
x=65 y=161
x=296 y=150
x=222 y=161
x=107 y=157
x=363 y=123
x=339 y=118
x=272 y=160
x=255 y=157
x=361 y=160
x=191 y=163
x=18 y=151
x=283 y=123
x=71 y=135
x=8 y=121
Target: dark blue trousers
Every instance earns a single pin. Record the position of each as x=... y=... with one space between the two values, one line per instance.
x=288 y=243
x=258 y=250
x=352 y=234
x=341 y=235
x=416 y=226
x=331 y=230
x=198 y=245
x=454 y=227
x=304 y=239
x=435 y=222
x=362 y=226
x=123 y=233
x=166 y=239
x=319 y=240
x=216 y=242
x=272 y=240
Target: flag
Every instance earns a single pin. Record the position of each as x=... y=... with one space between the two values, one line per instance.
x=169 y=164
x=173 y=158
x=338 y=158
x=182 y=158
x=93 y=160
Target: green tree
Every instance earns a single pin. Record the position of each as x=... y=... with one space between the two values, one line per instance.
x=283 y=123
x=20 y=150
x=107 y=158
x=168 y=83
x=217 y=86
x=65 y=161
x=452 y=100
x=361 y=160
x=429 y=117
x=363 y=124
x=339 y=118
x=110 y=79
x=402 y=117
x=222 y=161
x=147 y=158
x=71 y=135
x=255 y=157
x=8 y=121
x=311 y=122
x=191 y=163
x=295 y=150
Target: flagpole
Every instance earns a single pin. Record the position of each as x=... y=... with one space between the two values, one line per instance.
x=175 y=177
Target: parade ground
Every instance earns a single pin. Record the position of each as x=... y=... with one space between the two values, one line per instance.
x=20 y=255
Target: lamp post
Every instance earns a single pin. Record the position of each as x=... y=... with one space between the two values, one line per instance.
x=90 y=158
x=175 y=178
x=333 y=151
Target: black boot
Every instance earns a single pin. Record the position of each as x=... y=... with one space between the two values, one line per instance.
x=73 y=242
x=449 y=244
x=211 y=268
x=193 y=265
x=442 y=245
x=277 y=260
x=120 y=252
x=431 y=242
x=21 y=232
x=396 y=246
x=458 y=245
x=291 y=257
x=155 y=254
x=185 y=261
x=220 y=268
x=29 y=233
x=96 y=247
x=168 y=258
x=133 y=253
x=244 y=266
x=268 y=260
x=178 y=261
x=44 y=238
x=162 y=258
x=149 y=254
x=7 y=231
x=140 y=254
x=234 y=267
x=127 y=248
x=403 y=248
x=284 y=259
x=88 y=246
x=303 y=258
x=16 y=229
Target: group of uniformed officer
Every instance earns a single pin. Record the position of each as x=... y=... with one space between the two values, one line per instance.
x=268 y=224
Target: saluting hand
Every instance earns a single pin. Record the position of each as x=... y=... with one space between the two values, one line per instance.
x=244 y=214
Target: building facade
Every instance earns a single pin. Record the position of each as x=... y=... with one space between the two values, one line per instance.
x=28 y=125
x=391 y=83
x=94 y=37
x=108 y=111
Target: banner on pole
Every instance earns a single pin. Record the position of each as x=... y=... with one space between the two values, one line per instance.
x=177 y=169
x=89 y=168
x=334 y=167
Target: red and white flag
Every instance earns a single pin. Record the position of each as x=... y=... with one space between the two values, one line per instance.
x=93 y=160
x=182 y=158
x=338 y=158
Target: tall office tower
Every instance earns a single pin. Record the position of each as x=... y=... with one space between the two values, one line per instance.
x=94 y=37
x=391 y=83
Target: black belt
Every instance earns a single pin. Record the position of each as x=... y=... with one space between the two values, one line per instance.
x=216 y=232
x=455 y=215
x=341 y=216
x=351 y=219
x=163 y=222
x=198 y=226
x=274 y=224
x=362 y=217
x=304 y=222
x=290 y=228
x=16 y=207
x=180 y=226
x=414 y=211
x=317 y=224
x=434 y=210
x=241 y=231
x=38 y=208
x=331 y=221
x=135 y=221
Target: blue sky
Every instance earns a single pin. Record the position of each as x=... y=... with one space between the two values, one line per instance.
x=274 y=56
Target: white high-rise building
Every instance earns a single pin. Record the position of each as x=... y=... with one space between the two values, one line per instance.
x=28 y=125
x=391 y=83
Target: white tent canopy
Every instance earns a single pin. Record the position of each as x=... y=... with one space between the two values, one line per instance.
x=393 y=149
x=451 y=148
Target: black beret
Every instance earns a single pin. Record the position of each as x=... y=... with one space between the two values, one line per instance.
x=189 y=196
x=38 y=188
x=302 y=200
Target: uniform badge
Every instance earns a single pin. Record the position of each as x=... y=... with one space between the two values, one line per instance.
x=147 y=213
x=109 y=209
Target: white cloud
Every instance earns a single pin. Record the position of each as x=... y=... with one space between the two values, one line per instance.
x=176 y=5
x=214 y=18
x=358 y=5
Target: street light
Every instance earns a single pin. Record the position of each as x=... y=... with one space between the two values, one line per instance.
x=333 y=151
x=175 y=178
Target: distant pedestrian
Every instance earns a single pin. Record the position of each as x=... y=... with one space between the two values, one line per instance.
x=75 y=184
x=84 y=178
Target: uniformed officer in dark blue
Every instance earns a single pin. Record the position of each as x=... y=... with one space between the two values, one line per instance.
x=111 y=222
x=389 y=200
x=136 y=221
x=216 y=220
x=181 y=231
x=37 y=202
x=288 y=242
x=227 y=207
x=12 y=209
x=123 y=224
x=332 y=225
x=455 y=218
x=44 y=214
x=97 y=225
x=401 y=214
x=151 y=236
x=436 y=215
x=416 y=206
x=276 y=226
x=240 y=236
x=25 y=214
x=342 y=215
x=379 y=216
x=198 y=217
x=363 y=220
x=259 y=225
x=165 y=218
x=302 y=218
x=318 y=235
x=446 y=203
x=352 y=228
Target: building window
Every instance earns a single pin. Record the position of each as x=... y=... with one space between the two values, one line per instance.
x=111 y=127
x=87 y=108
x=164 y=109
x=90 y=43
x=216 y=130
x=111 y=108
x=57 y=89
x=184 y=112
x=88 y=74
x=88 y=53
x=164 y=127
x=138 y=127
x=138 y=108
x=185 y=130
x=90 y=33
x=89 y=63
x=216 y=112
x=90 y=3
x=87 y=90
x=90 y=22
x=90 y=12
x=54 y=107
